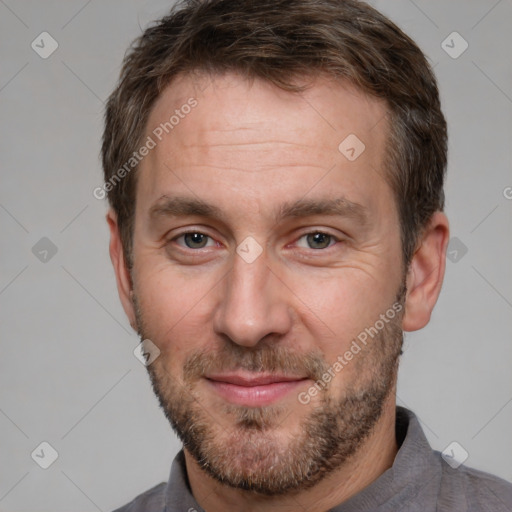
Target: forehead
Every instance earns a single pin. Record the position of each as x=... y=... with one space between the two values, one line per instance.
x=230 y=103
x=244 y=134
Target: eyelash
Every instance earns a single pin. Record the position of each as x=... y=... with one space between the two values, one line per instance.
x=333 y=238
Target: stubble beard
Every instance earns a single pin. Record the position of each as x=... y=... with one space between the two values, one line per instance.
x=244 y=450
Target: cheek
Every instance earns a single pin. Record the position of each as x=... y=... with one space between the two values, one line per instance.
x=174 y=308
x=344 y=303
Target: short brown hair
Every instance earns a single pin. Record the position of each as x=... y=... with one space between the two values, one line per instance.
x=283 y=41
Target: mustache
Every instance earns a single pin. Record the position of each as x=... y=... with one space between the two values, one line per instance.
x=269 y=359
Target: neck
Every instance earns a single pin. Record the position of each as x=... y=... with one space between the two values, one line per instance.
x=373 y=458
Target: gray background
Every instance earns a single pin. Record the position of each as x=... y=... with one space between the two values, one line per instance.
x=67 y=372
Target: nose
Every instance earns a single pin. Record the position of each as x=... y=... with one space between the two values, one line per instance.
x=254 y=303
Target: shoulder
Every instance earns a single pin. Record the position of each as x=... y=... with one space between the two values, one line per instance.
x=472 y=490
x=150 y=501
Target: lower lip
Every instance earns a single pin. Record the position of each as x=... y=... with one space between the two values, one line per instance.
x=255 y=396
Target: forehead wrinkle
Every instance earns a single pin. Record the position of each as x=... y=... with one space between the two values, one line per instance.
x=271 y=142
x=207 y=139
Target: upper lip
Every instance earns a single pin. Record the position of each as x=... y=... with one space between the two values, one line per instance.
x=252 y=379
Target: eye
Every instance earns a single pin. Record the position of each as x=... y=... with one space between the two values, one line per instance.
x=194 y=240
x=317 y=240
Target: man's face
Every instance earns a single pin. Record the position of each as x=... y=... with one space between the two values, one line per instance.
x=262 y=251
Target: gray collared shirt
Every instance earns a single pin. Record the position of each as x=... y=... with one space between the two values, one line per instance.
x=419 y=481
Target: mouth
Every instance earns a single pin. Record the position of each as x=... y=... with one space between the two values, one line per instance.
x=254 y=390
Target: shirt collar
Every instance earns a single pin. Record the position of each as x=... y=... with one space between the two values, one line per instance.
x=415 y=475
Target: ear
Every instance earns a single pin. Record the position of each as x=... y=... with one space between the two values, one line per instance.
x=426 y=273
x=123 y=278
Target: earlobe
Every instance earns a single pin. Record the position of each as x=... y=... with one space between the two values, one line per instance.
x=426 y=273
x=123 y=277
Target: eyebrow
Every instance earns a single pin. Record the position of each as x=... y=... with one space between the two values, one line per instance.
x=340 y=207
x=180 y=206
